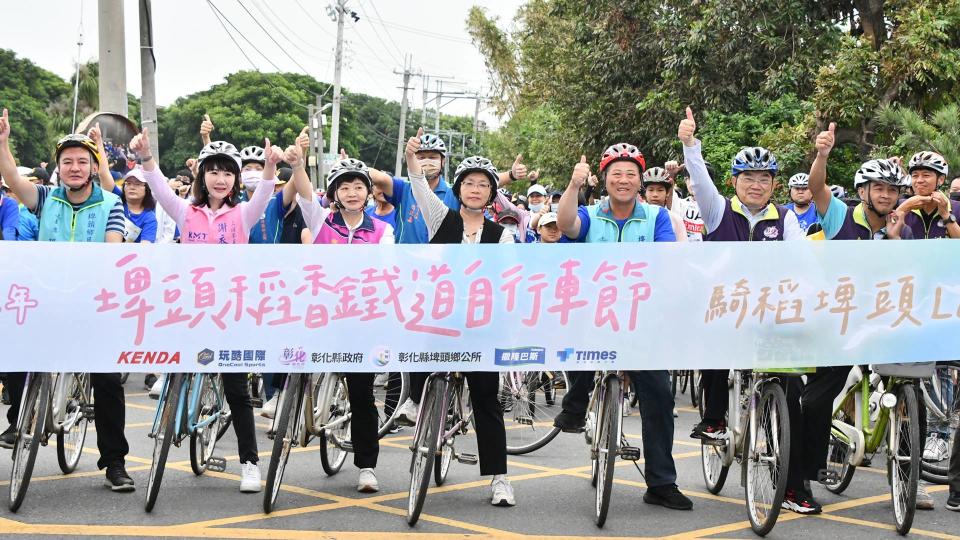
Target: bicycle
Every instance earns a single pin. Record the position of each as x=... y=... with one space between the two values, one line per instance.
x=519 y=391
x=863 y=412
x=53 y=403
x=444 y=413
x=941 y=396
x=194 y=406
x=320 y=408
x=681 y=380
x=758 y=437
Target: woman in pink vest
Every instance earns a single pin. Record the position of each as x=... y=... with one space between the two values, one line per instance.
x=348 y=186
x=215 y=217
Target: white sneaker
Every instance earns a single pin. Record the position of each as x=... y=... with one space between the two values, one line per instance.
x=408 y=412
x=924 y=500
x=249 y=478
x=367 y=482
x=269 y=409
x=675 y=413
x=502 y=491
x=936 y=449
x=154 y=392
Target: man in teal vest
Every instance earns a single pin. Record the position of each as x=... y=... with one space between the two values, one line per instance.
x=622 y=218
x=77 y=211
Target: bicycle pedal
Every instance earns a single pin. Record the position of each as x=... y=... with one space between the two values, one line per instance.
x=467 y=459
x=574 y=430
x=257 y=403
x=88 y=412
x=713 y=442
x=216 y=464
x=346 y=446
x=630 y=453
x=828 y=477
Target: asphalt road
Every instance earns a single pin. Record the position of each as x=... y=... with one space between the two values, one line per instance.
x=554 y=497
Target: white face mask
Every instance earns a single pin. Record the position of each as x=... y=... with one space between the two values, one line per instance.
x=536 y=207
x=555 y=207
x=251 y=179
x=511 y=227
x=430 y=167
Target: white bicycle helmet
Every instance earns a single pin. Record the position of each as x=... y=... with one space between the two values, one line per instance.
x=838 y=191
x=929 y=160
x=656 y=175
x=432 y=143
x=348 y=169
x=883 y=171
x=799 y=180
x=252 y=154
x=476 y=164
x=219 y=148
x=755 y=158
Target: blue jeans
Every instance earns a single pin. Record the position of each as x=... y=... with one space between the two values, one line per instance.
x=656 y=416
x=935 y=425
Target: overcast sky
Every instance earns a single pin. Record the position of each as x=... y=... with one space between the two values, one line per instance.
x=193 y=52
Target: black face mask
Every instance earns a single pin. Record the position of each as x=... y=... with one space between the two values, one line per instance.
x=955 y=196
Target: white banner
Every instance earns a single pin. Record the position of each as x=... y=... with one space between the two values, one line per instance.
x=272 y=308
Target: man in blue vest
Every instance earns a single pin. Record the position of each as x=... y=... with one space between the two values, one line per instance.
x=622 y=218
x=78 y=211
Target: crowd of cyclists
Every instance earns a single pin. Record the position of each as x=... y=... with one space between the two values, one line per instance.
x=264 y=195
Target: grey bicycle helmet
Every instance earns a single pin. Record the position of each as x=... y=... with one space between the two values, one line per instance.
x=219 y=148
x=252 y=154
x=476 y=164
x=883 y=171
x=929 y=160
x=799 y=180
x=432 y=143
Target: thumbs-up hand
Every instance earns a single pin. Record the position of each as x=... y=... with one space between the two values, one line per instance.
x=293 y=155
x=303 y=142
x=826 y=140
x=206 y=127
x=4 y=127
x=141 y=143
x=581 y=172
x=271 y=154
x=688 y=126
x=518 y=171
x=343 y=154
x=413 y=146
x=95 y=134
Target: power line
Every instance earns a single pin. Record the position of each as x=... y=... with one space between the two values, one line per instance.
x=425 y=33
x=359 y=34
x=390 y=37
x=216 y=13
x=275 y=42
x=288 y=30
x=380 y=39
x=308 y=14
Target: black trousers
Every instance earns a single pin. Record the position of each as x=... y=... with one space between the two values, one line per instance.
x=109 y=410
x=715 y=394
x=241 y=409
x=364 y=422
x=810 y=407
x=955 y=464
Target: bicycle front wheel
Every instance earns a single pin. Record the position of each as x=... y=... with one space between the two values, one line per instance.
x=424 y=447
x=166 y=431
x=768 y=458
x=35 y=406
x=903 y=465
x=203 y=440
x=337 y=405
x=395 y=390
x=839 y=449
x=530 y=401
x=70 y=436
x=608 y=445
x=285 y=437
x=943 y=417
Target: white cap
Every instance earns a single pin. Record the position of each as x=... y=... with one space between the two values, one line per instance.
x=537 y=188
x=546 y=219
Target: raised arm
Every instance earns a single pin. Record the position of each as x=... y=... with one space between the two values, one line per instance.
x=25 y=191
x=709 y=199
x=250 y=211
x=103 y=165
x=818 y=171
x=567 y=218
x=432 y=208
x=206 y=128
x=173 y=205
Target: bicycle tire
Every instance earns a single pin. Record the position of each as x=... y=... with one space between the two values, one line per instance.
x=162 y=439
x=938 y=472
x=424 y=447
x=674 y=382
x=441 y=466
x=285 y=438
x=711 y=462
x=387 y=421
x=608 y=446
x=332 y=457
x=696 y=388
x=903 y=491
x=518 y=442
x=203 y=441
x=763 y=513
x=30 y=431
x=81 y=390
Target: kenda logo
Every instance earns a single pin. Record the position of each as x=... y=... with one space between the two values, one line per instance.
x=148 y=357
x=573 y=355
x=519 y=356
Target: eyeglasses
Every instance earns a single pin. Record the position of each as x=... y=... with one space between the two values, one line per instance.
x=471 y=185
x=763 y=182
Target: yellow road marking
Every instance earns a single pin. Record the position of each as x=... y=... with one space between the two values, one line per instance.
x=889 y=527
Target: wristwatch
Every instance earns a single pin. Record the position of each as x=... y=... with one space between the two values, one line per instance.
x=948 y=220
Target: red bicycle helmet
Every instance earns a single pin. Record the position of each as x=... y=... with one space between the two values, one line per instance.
x=622 y=152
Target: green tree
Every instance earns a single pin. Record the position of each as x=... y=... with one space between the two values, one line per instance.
x=25 y=90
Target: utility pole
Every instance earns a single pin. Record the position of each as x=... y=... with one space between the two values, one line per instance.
x=337 y=14
x=316 y=162
x=403 y=115
x=425 y=80
x=148 y=68
x=113 y=67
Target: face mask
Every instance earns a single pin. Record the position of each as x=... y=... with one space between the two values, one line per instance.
x=251 y=179
x=511 y=227
x=536 y=207
x=955 y=196
x=555 y=207
x=430 y=167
